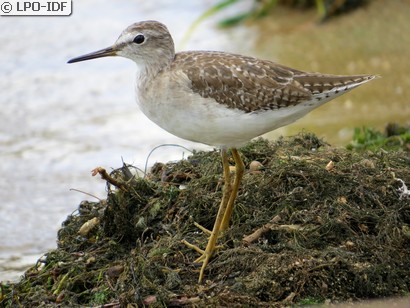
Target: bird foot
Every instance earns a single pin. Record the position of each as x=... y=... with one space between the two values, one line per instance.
x=203 y=229
x=205 y=255
x=194 y=247
x=199 y=250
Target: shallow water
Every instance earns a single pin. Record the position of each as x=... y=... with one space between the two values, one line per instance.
x=60 y=121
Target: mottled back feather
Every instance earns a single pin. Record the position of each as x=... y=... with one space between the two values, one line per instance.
x=250 y=84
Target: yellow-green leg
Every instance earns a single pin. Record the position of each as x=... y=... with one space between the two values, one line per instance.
x=210 y=247
x=225 y=209
x=239 y=171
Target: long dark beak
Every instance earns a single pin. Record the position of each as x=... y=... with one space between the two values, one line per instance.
x=106 y=52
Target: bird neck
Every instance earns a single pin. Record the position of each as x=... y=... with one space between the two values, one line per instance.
x=149 y=68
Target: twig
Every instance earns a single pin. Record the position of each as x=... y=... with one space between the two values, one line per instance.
x=249 y=239
x=105 y=176
x=184 y=300
x=113 y=304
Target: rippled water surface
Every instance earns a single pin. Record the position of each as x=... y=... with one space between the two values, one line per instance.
x=59 y=121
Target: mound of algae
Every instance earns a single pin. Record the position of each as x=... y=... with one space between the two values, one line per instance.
x=312 y=224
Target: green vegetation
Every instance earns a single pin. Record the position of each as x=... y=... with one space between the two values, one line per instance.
x=393 y=139
x=325 y=9
x=310 y=301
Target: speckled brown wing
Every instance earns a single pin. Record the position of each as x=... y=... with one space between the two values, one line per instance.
x=240 y=82
x=323 y=86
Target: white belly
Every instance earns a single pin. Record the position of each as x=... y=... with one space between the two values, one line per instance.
x=183 y=113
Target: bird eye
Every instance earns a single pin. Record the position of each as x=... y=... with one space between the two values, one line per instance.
x=139 y=39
